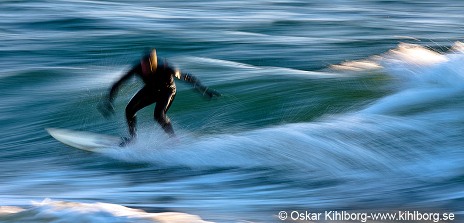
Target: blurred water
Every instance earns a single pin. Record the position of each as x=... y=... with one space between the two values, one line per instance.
x=340 y=105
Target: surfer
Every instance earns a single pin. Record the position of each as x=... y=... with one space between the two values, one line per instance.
x=159 y=88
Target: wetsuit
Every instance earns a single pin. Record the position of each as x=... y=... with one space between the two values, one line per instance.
x=159 y=87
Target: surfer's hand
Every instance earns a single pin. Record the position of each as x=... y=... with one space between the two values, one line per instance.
x=205 y=91
x=212 y=93
x=106 y=108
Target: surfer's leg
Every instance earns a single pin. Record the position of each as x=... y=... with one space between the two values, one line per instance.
x=162 y=106
x=140 y=100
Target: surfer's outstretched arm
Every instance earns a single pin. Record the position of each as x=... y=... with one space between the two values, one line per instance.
x=115 y=87
x=106 y=107
x=189 y=78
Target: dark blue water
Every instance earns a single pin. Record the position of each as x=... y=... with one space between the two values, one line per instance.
x=327 y=105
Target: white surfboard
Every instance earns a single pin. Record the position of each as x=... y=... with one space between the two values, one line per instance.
x=85 y=140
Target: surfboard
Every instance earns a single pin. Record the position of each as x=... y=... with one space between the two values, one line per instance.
x=88 y=141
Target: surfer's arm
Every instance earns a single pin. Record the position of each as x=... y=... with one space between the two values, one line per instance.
x=115 y=87
x=106 y=106
x=195 y=82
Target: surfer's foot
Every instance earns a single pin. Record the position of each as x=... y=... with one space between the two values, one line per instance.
x=125 y=141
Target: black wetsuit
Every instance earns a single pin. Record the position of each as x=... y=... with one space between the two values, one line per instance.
x=159 y=87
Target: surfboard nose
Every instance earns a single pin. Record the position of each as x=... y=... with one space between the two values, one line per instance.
x=84 y=140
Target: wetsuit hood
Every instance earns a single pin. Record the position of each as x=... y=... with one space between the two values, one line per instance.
x=153 y=60
x=149 y=62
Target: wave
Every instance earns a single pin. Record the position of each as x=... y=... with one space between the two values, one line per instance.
x=420 y=77
x=64 y=211
x=344 y=146
x=415 y=65
x=334 y=144
x=381 y=137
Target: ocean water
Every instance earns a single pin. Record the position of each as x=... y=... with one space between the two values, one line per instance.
x=327 y=105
